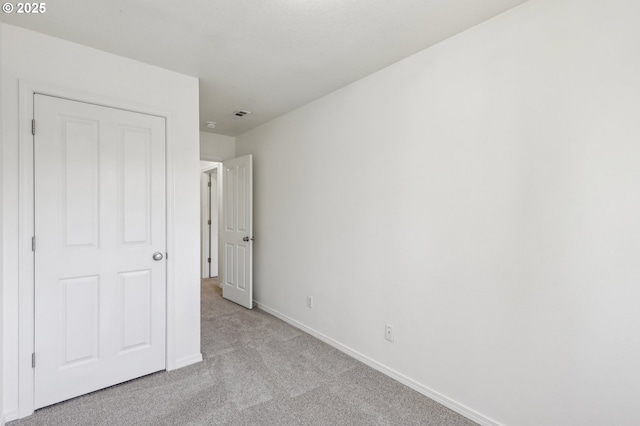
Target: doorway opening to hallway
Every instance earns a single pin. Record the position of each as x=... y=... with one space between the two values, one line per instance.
x=209 y=214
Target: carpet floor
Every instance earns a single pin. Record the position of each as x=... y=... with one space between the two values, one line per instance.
x=257 y=370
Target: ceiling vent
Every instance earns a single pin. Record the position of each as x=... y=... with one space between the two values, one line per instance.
x=241 y=113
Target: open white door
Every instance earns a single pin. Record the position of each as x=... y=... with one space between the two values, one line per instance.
x=100 y=274
x=236 y=232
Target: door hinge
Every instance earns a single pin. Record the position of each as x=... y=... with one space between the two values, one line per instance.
x=208 y=222
x=208 y=183
x=209 y=260
x=166 y=256
x=33 y=243
x=33 y=360
x=33 y=127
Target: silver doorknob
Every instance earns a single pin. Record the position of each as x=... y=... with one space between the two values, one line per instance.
x=157 y=256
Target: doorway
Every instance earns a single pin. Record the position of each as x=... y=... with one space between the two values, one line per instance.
x=231 y=245
x=209 y=214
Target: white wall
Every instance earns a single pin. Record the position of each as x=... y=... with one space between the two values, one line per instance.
x=215 y=147
x=41 y=59
x=483 y=198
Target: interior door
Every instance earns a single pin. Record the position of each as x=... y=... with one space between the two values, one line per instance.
x=100 y=291
x=236 y=233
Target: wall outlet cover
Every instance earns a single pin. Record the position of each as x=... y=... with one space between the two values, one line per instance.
x=388 y=332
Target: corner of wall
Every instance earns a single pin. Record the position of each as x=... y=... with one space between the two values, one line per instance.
x=214 y=147
x=183 y=362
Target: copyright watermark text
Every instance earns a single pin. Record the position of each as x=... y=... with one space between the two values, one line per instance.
x=26 y=8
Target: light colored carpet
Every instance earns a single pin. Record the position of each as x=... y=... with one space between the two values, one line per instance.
x=257 y=370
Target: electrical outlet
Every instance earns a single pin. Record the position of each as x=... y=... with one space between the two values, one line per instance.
x=310 y=302
x=388 y=332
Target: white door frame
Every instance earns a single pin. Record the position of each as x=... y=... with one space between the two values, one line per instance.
x=208 y=170
x=26 y=326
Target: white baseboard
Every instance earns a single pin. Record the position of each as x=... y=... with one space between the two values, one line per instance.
x=425 y=390
x=183 y=362
x=10 y=416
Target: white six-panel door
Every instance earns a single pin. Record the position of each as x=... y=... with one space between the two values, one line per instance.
x=236 y=232
x=100 y=297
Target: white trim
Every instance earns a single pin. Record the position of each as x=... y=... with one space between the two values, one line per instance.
x=10 y=416
x=170 y=218
x=212 y=167
x=213 y=158
x=205 y=192
x=26 y=332
x=183 y=362
x=425 y=390
x=220 y=177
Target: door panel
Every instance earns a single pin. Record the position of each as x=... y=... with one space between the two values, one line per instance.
x=79 y=302
x=136 y=302
x=80 y=176
x=100 y=298
x=135 y=178
x=237 y=233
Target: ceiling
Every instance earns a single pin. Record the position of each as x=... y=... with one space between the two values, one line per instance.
x=264 y=56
